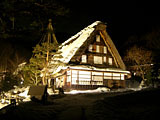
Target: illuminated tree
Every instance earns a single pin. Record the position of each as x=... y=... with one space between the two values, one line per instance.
x=23 y=22
x=41 y=61
x=32 y=71
x=140 y=61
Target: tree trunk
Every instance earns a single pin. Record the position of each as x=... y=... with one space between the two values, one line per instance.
x=142 y=84
x=36 y=81
x=49 y=82
x=43 y=80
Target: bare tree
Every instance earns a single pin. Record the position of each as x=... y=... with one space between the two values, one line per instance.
x=140 y=60
x=15 y=61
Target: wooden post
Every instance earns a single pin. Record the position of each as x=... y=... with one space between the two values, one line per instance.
x=71 y=79
x=91 y=79
x=103 y=78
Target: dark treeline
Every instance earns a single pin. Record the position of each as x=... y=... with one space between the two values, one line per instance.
x=22 y=24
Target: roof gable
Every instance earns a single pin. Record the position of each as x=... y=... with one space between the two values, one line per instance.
x=69 y=48
x=113 y=49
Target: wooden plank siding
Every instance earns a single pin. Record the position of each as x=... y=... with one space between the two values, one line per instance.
x=90 y=57
x=84 y=50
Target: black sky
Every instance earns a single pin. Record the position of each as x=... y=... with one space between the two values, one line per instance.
x=123 y=19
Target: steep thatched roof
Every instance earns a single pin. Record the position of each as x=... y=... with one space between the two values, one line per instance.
x=69 y=48
x=112 y=49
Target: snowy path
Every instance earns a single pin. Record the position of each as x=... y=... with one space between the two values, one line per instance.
x=78 y=107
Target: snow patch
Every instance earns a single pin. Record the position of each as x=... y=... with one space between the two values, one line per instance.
x=25 y=95
x=17 y=93
x=103 y=90
x=98 y=90
x=50 y=91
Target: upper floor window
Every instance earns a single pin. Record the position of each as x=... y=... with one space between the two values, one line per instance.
x=110 y=61
x=97 y=38
x=97 y=60
x=104 y=59
x=90 y=48
x=97 y=48
x=104 y=49
x=84 y=59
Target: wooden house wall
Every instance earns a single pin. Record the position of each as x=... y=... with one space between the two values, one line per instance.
x=84 y=50
x=87 y=79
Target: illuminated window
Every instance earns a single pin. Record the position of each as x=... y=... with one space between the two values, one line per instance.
x=105 y=49
x=97 y=60
x=68 y=78
x=74 y=77
x=97 y=48
x=116 y=76
x=84 y=59
x=104 y=59
x=97 y=78
x=84 y=78
x=97 y=38
x=90 y=48
x=122 y=76
x=108 y=76
x=110 y=61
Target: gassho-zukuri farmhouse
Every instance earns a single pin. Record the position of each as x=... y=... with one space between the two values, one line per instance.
x=90 y=60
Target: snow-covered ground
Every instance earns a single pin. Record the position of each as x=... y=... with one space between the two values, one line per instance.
x=111 y=105
x=23 y=93
x=17 y=93
x=98 y=90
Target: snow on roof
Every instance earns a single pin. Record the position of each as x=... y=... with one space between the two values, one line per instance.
x=70 y=46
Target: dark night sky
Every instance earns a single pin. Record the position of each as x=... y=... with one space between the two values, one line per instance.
x=123 y=18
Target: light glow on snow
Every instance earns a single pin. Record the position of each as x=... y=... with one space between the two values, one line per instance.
x=98 y=90
x=17 y=93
